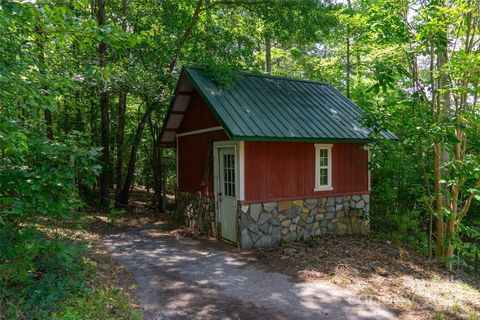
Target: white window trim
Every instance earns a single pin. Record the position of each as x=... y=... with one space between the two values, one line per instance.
x=319 y=147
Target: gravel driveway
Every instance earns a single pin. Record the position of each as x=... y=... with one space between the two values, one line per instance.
x=180 y=278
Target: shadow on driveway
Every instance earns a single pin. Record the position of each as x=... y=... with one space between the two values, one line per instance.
x=180 y=278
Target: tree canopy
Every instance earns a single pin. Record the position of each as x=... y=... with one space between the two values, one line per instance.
x=85 y=85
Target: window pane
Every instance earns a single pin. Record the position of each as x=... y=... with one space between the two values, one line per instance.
x=323 y=176
x=323 y=157
x=323 y=161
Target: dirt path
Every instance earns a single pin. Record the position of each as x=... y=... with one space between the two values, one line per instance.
x=180 y=278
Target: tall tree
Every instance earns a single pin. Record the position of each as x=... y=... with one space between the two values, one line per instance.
x=432 y=46
x=104 y=102
x=47 y=113
x=120 y=134
x=268 y=53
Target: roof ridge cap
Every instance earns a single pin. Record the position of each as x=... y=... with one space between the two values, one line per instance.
x=268 y=76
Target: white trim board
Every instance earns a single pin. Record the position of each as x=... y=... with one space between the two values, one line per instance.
x=239 y=165
x=176 y=161
x=199 y=131
x=241 y=170
x=216 y=177
x=369 y=171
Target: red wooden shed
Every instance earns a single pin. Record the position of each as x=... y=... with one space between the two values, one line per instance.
x=269 y=159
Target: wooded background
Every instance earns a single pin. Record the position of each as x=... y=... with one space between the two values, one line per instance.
x=84 y=87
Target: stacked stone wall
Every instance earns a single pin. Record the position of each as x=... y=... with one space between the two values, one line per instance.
x=188 y=207
x=269 y=224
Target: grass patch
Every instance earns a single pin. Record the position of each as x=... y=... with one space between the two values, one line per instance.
x=110 y=303
x=45 y=276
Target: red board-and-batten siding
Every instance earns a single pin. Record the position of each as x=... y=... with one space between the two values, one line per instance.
x=286 y=171
x=192 y=150
x=273 y=170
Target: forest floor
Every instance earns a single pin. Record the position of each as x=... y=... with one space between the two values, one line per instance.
x=395 y=277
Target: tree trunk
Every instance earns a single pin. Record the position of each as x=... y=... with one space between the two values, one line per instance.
x=125 y=192
x=268 y=53
x=348 y=63
x=454 y=197
x=163 y=190
x=122 y=106
x=348 y=67
x=120 y=135
x=438 y=201
x=156 y=164
x=158 y=178
x=105 y=175
x=47 y=114
x=442 y=155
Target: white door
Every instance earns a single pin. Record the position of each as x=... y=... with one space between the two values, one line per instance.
x=226 y=193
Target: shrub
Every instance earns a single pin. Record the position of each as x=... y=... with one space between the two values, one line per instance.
x=402 y=228
x=37 y=273
x=38 y=176
x=45 y=278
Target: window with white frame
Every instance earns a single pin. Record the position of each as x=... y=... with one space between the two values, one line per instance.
x=323 y=167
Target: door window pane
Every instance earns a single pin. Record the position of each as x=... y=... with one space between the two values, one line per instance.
x=229 y=175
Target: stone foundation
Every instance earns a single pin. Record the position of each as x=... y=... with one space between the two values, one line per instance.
x=269 y=224
x=187 y=207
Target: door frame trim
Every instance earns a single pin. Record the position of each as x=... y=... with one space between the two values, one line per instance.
x=238 y=147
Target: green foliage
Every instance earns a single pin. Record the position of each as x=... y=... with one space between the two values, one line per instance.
x=44 y=278
x=403 y=228
x=107 y=303
x=114 y=214
x=37 y=273
x=38 y=176
x=467 y=242
x=49 y=61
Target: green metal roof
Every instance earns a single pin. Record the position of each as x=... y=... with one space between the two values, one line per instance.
x=268 y=108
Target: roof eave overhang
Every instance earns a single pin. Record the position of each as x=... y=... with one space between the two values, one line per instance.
x=170 y=140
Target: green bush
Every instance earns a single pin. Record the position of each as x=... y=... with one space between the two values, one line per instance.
x=38 y=274
x=38 y=176
x=45 y=278
x=402 y=228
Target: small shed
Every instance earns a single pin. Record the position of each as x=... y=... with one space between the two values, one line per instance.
x=269 y=159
